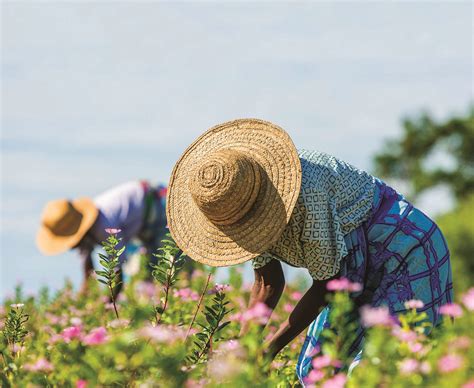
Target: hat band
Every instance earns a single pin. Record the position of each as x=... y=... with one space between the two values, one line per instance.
x=67 y=225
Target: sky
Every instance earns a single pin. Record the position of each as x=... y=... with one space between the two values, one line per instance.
x=95 y=94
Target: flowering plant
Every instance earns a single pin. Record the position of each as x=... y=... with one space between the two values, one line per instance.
x=72 y=339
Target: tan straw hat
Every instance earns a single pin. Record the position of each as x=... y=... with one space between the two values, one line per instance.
x=64 y=223
x=232 y=192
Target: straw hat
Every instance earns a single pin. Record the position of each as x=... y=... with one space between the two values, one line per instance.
x=64 y=223
x=232 y=192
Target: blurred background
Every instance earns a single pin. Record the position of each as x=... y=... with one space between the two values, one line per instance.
x=96 y=94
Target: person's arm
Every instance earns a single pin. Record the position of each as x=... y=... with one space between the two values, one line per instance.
x=85 y=248
x=87 y=268
x=267 y=287
x=302 y=315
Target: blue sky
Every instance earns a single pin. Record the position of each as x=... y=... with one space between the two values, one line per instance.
x=99 y=93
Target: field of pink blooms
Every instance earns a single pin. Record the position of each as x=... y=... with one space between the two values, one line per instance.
x=182 y=330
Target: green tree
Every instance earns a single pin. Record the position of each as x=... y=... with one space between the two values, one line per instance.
x=410 y=158
x=458 y=228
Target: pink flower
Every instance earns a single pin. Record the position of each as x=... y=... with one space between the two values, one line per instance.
x=119 y=323
x=461 y=342
x=17 y=348
x=277 y=364
x=408 y=366
x=468 y=299
x=55 y=338
x=75 y=321
x=404 y=335
x=343 y=284
x=96 y=336
x=415 y=347
x=186 y=294
x=451 y=309
x=425 y=367
x=259 y=312
x=288 y=308
x=53 y=319
x=321 y=362
x=70 y=333
x=162 y=334
x=314 y=376
x=296 y=295
x=112 y=230
x=219 y=288
x=338 y=381
x=197 y=274
x=414 y=304
x=195 y=384
x=375 y=316
x=224 y=368
x=230 y=346
x=146 y=289
x=81 y=384
x=469 y=384
x=41 y=365
x=450 y=363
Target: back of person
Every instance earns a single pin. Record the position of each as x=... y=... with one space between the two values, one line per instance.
x=120 y=207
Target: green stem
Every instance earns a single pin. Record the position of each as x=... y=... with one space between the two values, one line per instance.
x=199 y=305
x=112 y=296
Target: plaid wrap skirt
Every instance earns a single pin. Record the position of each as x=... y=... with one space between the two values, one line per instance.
x=398 y=254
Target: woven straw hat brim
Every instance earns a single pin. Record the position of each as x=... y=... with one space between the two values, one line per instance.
x=51 y=244
x=221 y=245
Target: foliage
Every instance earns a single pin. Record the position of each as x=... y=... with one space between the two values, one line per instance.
x=214 y=314
x=165 y=271
x=14 y=331
x=410 y=158
x=458 y=228
x=109 y=274
x=72 y=339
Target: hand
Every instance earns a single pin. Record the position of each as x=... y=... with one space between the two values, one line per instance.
x=268 y=354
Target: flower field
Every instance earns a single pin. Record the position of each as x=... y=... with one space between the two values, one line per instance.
x=180 y=329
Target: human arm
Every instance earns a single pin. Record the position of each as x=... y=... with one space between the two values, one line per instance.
x=267 y=287
x=299 y=319
x=87 y=268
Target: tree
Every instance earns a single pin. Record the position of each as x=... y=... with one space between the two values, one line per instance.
x=410 y=158
x=458 y=229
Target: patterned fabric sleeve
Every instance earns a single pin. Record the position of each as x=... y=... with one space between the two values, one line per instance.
x=262 y=260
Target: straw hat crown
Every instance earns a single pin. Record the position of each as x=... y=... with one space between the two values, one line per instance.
x=64 y=223
x=61 y=217
x=225 y=186
x=232 y=192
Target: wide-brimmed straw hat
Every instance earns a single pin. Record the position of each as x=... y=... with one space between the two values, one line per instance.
x=64 y=223
x=232 y=192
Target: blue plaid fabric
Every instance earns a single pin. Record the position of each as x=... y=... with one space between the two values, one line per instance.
x=397 y=255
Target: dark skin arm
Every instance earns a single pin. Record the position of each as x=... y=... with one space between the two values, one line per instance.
x=299 y=319
x=267 y=287
x=87 y=270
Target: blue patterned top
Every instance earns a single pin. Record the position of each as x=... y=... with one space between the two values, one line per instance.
x=335 y=198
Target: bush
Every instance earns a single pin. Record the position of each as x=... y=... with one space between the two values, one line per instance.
x=184 y=333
